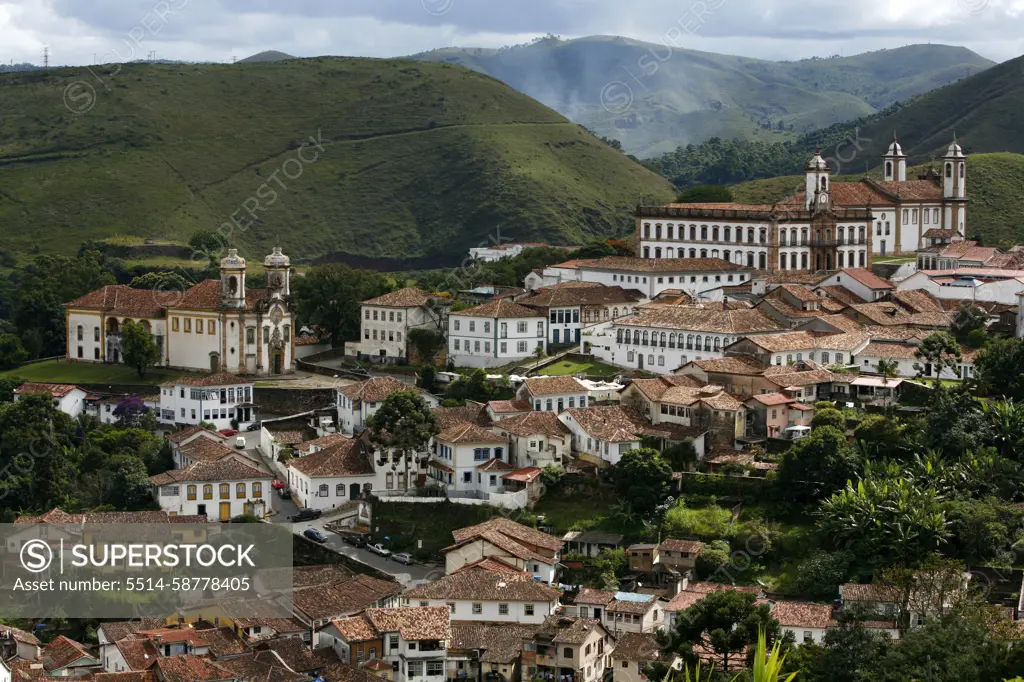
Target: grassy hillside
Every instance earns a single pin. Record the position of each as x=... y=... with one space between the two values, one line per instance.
x=995 y=188
x=419 y=160
x=654 y=99
x=983 y=110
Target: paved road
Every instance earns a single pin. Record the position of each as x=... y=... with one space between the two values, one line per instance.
x=283 y=509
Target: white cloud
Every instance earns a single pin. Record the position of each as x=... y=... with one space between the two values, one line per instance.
x=215 y=30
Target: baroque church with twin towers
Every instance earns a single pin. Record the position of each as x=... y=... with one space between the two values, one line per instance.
x=824 y=226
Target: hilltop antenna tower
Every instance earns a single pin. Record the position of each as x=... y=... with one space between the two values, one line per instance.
x=46 y=57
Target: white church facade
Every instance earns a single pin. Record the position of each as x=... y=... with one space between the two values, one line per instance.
x=824 y=226
x=214 y=326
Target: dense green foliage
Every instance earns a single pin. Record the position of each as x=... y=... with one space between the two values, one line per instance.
x=728 y=621
x=50 y=460
x=642 y=477
x=656 y=97
x=328 y=297
x=138 y=347
x=401 y=160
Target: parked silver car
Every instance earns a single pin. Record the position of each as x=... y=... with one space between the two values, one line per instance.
x=403 y=558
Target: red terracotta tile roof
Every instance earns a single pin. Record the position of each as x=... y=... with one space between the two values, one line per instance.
x=206 y=380
x=410 y=297
x=491 y=564
x=495 y=465
x=772 y=399
x=321 y=443
x=53 y=390
x=611 y=423
x=376 y=389
x=868 y=278
x=217 y=471
x=206 y=450
x=541 y=386
x=468 y=433
x=701 y=319
x=653 y=389
x=178 y=436
x=485 y=585
x=582 y=296
x=356 y=629
x=636 y=646
x=516 y=531
x=803 y=614
x=676 y=545
x=189 y=668
x=413 y=623
x=524 y=475
x=139 y=653
x=500 y=309
x=533 y=423
x=470 y=413
x=120 y=299
x=343 y=598
x=62 y=652
x=347 y=458
x=509 y=406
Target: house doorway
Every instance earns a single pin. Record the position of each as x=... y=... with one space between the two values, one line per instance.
x=214 y=362
x=225 y=511
x=353 y=491
x=276 y=363
x=201 y=510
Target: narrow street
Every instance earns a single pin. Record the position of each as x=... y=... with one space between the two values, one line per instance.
x=283 y=509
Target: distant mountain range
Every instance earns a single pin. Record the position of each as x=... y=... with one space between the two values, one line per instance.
x=653 y=98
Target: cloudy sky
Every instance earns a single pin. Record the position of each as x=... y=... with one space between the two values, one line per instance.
x=81 y=31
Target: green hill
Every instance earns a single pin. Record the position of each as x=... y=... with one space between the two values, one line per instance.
x=419 y=161
x=983 y=110
x=266 y=56
x=995 y=188
x=654 y=99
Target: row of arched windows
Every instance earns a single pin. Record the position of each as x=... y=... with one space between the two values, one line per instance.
x=671 y=340
x=705 y=233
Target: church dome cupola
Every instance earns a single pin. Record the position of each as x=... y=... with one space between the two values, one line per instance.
x=895 y=162
x=278 y=268
x=817 y=163
x=232 y=280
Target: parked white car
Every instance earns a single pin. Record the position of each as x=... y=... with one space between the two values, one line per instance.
x=378 y=549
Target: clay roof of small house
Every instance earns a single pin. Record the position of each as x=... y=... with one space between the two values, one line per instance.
x=206 y=449
x=641 y=647
x=676 y=545
x=191 y=430
x=344 y=597
x=376 y=389
x=611 y=423
x=53 y=390
x=219 y=471
x=509 y=406
x=653 y=389
x=470 y=413
x=803 y=614
x=207 y=380
x=496 y=642
x=468 y=433
x=62 y=652
x=410 y=297
x=485 y=585
x=541 y=386
x=509 y=528
x=347 y=458
x=413 y=623
x=499 y=309
x=702 y=319
x=188 y=668
x=567 y=629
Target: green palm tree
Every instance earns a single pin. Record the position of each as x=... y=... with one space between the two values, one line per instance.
x=768 y=667
x=888 y=369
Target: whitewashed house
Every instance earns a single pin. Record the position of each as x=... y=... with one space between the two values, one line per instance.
x=573 y=307
x=553 y=394
x=535 y=439
x=495 y=334
x=860 y=282
x=414 y=641
x=357 y=402
x=468 y=461
x=662 y=338
x=341 y=472
x=68 y=398
x=478 y=594
x=601 y=435
x=621 y=612
x=904 y=358
x=501 y=539
x=386 y=321
x=219 y=490
x=222 y=399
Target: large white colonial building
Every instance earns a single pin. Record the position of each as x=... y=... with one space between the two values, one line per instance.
x=824 y=226
x=214 y=326
x=495 y=334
